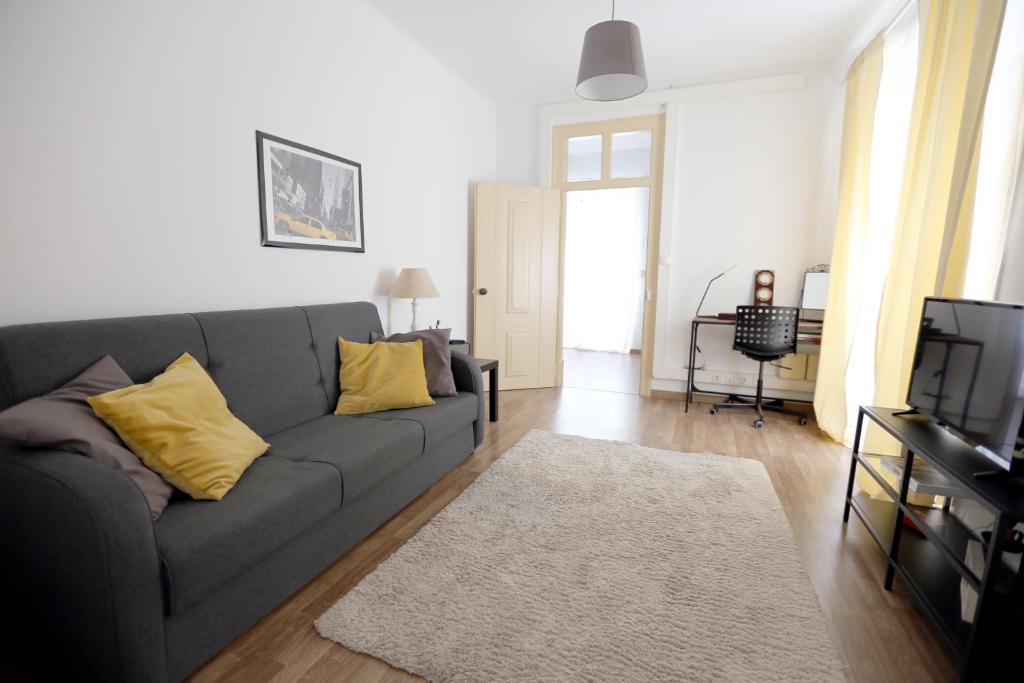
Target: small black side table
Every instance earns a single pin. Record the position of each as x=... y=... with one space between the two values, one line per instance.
x=490 y=366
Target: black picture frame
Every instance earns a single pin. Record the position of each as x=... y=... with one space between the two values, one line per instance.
x=309 y=198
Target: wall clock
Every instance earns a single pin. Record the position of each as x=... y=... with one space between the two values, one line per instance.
x=764 y=287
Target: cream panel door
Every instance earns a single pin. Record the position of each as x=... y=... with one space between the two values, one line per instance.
x=515 y=291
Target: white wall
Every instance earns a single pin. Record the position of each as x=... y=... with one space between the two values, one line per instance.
x=755 y=185
x=751 y=178
x=518 y=144
x=128 y=172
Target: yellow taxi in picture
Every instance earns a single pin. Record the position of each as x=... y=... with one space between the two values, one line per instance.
x=301 y=226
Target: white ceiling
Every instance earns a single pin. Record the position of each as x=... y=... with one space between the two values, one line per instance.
x=527 y=51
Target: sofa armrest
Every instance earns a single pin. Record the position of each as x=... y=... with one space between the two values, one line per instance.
x=468 y=378
x=79 y=571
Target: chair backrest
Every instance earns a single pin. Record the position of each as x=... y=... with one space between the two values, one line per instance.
x=766 y=332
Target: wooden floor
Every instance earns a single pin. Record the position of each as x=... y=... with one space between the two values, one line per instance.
x=880 y=636
x=601 y=370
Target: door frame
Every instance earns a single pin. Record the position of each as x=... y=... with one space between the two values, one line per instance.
x=559 y=147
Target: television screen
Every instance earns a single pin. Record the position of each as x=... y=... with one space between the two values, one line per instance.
x=969 y=374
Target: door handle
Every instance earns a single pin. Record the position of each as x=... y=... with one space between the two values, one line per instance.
x=482 y=291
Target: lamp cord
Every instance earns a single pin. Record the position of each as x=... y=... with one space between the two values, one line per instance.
x=613 y=10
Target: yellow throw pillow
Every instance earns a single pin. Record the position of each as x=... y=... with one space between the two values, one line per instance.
x=381 y=376
x=180 y=427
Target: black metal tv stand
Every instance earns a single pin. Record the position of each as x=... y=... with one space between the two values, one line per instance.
x=908 y=411
x=932 y=563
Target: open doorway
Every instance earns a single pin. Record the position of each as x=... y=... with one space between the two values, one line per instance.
x=603 y=287
x=610 y=174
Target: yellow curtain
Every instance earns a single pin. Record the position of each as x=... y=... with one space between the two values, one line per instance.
x=933 y=221
x=850 y=250
x=958 y=46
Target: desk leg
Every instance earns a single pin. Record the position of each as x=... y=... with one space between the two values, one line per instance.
x=689 y=370
x=493 y=393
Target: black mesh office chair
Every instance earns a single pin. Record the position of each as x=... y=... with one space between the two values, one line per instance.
x=763 y=333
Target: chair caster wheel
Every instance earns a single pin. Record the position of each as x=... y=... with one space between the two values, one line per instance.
x=802 y=421
x=713 y=411
x=758 y=424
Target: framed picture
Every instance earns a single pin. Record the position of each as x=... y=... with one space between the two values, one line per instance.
x=309 y=199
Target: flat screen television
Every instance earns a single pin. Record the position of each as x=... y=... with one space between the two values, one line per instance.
x=968 y=375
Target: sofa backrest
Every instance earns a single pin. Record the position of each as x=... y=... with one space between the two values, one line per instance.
x=38 y=358
x=277 y=367
x=264 y=364
x=354 y=321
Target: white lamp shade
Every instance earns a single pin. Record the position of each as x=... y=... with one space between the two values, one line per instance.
x=414 y=283
x=612 y=65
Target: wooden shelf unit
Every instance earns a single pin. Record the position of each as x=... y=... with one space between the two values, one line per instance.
x=932 y=564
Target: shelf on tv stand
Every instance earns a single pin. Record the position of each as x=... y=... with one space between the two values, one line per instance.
x=953 y=457
x=922 y=567
x=931 y=564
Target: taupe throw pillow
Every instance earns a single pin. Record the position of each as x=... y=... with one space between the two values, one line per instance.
x=437 y=357
x=62 y=419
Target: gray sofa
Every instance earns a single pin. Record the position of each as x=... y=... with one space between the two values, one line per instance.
x=92 y=589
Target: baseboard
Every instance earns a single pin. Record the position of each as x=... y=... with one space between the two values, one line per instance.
x=703 y=398
x=670 y=395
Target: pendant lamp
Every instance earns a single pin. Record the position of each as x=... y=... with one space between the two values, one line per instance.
x=612 y=65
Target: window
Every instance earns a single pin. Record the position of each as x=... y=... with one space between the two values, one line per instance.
x=999 y=160
x=631 y=154
x=583 y=158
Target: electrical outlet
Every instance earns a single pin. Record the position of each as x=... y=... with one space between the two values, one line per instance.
x=716 y=377
x=728 y=379
x=743 y=380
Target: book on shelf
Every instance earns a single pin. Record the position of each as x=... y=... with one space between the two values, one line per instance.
x=924 y=478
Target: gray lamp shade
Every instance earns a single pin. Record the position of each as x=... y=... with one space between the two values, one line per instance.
x=612 y=65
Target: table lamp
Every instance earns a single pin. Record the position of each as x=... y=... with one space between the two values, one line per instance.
x=414 y=283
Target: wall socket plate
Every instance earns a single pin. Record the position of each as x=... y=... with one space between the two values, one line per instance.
x=730 y=379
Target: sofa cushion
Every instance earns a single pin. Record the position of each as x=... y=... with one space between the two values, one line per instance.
x=204 y=543
x=180 y=427
x=62 y=419
x=381 y=376
x=264 y=364
x=437 y=357
x=364 y=451
x=439 y=421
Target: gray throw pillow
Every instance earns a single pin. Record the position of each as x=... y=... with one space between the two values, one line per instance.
x=437 y=357
x=62 y=419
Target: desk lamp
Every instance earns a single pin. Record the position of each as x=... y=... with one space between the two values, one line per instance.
x=414 y=283
x=701 y=304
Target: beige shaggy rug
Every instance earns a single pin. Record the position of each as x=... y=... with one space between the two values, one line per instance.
x=576 y=559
